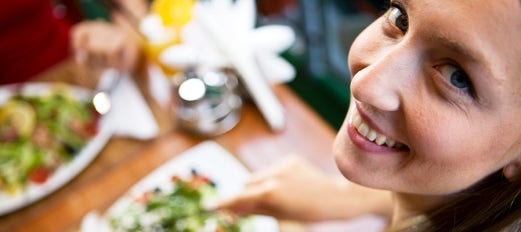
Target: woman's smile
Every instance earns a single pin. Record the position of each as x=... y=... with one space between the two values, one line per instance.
x=364 y=133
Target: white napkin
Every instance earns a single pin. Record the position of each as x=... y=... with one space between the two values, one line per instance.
x=159 y=85
x=130 y=115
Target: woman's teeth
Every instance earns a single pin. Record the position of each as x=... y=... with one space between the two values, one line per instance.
x=371 y=134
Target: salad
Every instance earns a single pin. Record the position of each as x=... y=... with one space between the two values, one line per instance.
x=38 y=134
x=177 y=207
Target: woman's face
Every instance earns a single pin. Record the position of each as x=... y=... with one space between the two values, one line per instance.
x=438 y=85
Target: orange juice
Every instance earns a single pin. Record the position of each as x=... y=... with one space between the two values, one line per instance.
x=173 y=13
x=165 y=31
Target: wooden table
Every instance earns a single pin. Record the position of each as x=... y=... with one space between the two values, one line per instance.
x=124 y=161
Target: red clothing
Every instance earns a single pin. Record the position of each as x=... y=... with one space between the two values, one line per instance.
x=32 y=39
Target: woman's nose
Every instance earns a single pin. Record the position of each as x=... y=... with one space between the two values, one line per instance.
x=380 y=83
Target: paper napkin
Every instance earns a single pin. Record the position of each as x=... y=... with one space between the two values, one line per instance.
x=130 y=115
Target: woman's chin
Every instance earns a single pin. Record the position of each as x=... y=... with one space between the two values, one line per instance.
x=345 y=164
x=354 y=167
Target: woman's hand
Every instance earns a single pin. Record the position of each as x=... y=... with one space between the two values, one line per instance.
x=296 y=190
x=105 y=44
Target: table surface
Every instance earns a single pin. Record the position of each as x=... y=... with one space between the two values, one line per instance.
x=124 y=161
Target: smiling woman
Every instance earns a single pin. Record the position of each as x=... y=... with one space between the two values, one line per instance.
x=422 y=79
x=433 y=119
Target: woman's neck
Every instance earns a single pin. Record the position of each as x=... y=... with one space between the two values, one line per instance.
x=412 y=207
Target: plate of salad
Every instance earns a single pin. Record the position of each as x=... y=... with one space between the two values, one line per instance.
x=49 y=132
x=174 y=197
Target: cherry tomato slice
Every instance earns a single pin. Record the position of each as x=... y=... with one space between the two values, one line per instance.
x=39 y=175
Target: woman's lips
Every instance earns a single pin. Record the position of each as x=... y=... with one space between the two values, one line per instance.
x=369 y=139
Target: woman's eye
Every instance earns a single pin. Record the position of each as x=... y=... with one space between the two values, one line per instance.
x=456 y=77
x=398 y=18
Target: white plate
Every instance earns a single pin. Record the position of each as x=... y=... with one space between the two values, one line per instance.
x=66 y=172
x=209 y=159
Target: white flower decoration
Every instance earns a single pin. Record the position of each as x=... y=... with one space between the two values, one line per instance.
x=234 y=21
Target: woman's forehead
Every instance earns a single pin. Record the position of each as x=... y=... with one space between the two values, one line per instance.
x=488 y=32
x=494 y=20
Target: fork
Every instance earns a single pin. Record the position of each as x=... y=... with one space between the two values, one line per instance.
x=101 y=99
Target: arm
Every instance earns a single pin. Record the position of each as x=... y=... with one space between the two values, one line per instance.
x=296 y=190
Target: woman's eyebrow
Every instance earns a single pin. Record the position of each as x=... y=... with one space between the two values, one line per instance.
x=457 y=47
x=464 y=49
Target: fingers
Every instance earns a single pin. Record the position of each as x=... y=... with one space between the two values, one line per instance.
x=111 y=51
x=130 y=56
x=102 y=44
x=85 y=43
x=276 y=170
x=79 y=41
x=271 y=191
x=250 y=201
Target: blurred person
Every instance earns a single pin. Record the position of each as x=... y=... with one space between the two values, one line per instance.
x=35 y=35
x=432 y=137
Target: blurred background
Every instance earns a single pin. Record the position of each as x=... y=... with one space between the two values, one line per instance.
x=325 y=30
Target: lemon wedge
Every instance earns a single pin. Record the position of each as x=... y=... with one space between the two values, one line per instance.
x=20 y=115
